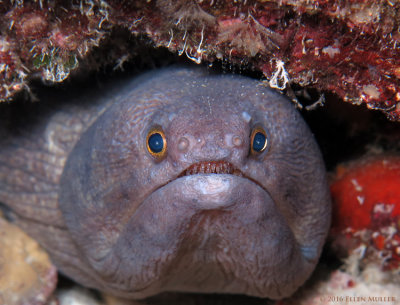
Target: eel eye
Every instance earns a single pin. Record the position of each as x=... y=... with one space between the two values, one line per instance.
x=156 y=143
x=258 y=140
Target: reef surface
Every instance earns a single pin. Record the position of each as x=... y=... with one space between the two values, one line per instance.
x=347 y=47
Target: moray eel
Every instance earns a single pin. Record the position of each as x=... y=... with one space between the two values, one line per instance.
x=181 y=180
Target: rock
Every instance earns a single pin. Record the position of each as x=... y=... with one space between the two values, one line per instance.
x=27 y=276
x=344 y=288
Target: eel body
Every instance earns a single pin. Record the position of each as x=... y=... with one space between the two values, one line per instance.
x=181 y=180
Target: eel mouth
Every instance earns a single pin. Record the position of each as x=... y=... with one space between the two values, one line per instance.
x=216 y=167
x=212 y=167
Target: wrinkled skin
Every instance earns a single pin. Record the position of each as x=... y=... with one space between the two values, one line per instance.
x=116 y=218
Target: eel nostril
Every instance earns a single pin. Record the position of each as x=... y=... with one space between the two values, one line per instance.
x=233 y=140
x=183 y=144
x=237 y=141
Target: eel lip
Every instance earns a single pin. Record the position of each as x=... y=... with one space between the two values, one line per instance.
x=211 y=167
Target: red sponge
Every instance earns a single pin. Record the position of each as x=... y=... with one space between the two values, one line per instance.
x=366 y=207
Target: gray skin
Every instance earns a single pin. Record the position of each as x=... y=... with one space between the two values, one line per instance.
x=113 y=217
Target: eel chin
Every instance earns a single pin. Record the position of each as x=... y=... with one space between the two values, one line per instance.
x=207 y=232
